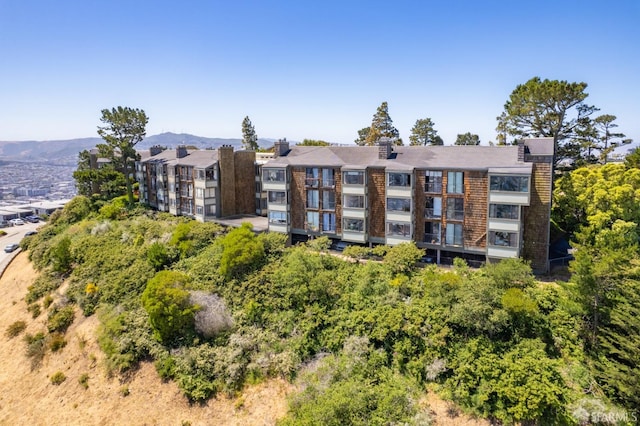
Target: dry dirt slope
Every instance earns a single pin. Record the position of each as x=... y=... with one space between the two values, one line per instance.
x=28 y=398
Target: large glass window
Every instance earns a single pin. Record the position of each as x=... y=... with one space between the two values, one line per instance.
x=312 y=175
x=455 y=208
x=432 y=232
x=399 y=229
x=433 y=181
x=509 y=183
x=313 y=221
x=399 y=179
x=278 y=218
x=453 y=235
x=455 y=183
x=503 y=239
x=399 y=204
x=504 y=211
x=199 y=193
x=353 y=177
x=328 y=200
x=328 y=180
x=433 y=207
x=312 y=199
x=277 y=197
x=274 y=175
x=354 y=201
x=353 y=225
x=328 y=222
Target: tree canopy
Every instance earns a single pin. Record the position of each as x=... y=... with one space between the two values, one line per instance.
x=381 y=126
x=467 y=139
x=546 y=108
x=423 y=133
x=249 y=137
x=313 y=142
x=123 y=128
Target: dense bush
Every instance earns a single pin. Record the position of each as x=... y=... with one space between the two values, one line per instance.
x=60 y=318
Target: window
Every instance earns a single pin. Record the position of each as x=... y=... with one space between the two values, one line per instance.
x=199 y=210
x=509 y=183
x=399 y=179
x=277 y=197
x=328 y=180
x=433 y=207
x=328 y=200
x=433 y=182
x=504 y=211
x=274 y=175
x=210 y=209
x=200 y=174
x=354 y=225
x=353 y=177
x=199 y=193
x=354 y=201
x=503 y=239
x=278 y=218
x=312 y=177
x=399 y=204
x=313 y=219
x=212 y=174
x=312 y=199
x=328 y=222
x=432 y=233
x=455 y=208
x=399 y=229
x=453 y=234
x=454 y=183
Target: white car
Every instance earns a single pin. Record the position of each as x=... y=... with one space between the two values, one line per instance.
x=16 y=222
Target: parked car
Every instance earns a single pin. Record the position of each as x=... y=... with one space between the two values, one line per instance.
x=11 y=247
x=4 y=224
x=32 y=219
x=30 y=233
x=16 y=222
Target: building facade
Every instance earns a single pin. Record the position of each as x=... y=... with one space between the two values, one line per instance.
x=476 y=202
x=201 y=184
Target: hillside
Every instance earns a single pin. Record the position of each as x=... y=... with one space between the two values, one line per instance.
x=56 y=149
x=28 y=397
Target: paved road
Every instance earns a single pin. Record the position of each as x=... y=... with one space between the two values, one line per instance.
x=14 y=235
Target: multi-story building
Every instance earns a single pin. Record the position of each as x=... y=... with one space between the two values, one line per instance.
x=202 y=184
x=476 y=202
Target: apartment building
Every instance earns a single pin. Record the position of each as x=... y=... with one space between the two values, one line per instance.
x=476 y=202
x=201 y=184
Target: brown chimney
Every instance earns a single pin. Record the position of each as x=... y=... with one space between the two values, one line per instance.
x=384 y=148
x=181 y=151
x=280 y=148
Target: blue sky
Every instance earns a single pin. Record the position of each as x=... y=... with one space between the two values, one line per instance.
x=302 y=69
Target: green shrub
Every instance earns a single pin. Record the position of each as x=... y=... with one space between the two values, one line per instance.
x=15 y=328
x=47 y=301
x=57 y=342
x=43 y=285
x=35 y=310
x=84 y=380
x=57 y=378
x=60 y=318
x=167 y=302
x=242 y=252
x=158 y=256
x=357 y=252
x=36 y=348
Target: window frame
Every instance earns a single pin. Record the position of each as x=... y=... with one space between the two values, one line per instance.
x=347 y=173
x=455 y=182
x=433 y=186
x=405 y=180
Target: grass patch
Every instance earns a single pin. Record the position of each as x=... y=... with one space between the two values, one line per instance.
x=57 y=378
x=15 y=329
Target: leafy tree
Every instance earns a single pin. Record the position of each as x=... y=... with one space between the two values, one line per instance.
x=249 y=137
x=363 y=134
x=104 y=181
x=242 y=252
x=123 y=128
x=313 y=142
x=423 y=133
x=609 y=140
x=61 y=255
x=546 y=108
x=166 y=300
x=467 y=139
x=632 y=159
x=382 y=127
x=401 y=259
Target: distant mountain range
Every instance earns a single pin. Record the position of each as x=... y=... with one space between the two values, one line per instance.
x=68 y=149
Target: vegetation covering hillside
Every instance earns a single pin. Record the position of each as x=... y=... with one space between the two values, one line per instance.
x=217 y=308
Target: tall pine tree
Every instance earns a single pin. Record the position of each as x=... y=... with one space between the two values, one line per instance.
x=382 y=126
x=249 y=137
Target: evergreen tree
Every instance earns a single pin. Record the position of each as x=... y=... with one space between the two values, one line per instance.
x=362 y=136
x=467 y=139
x=423 y=133
x=382 y=126
x=249 y=137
